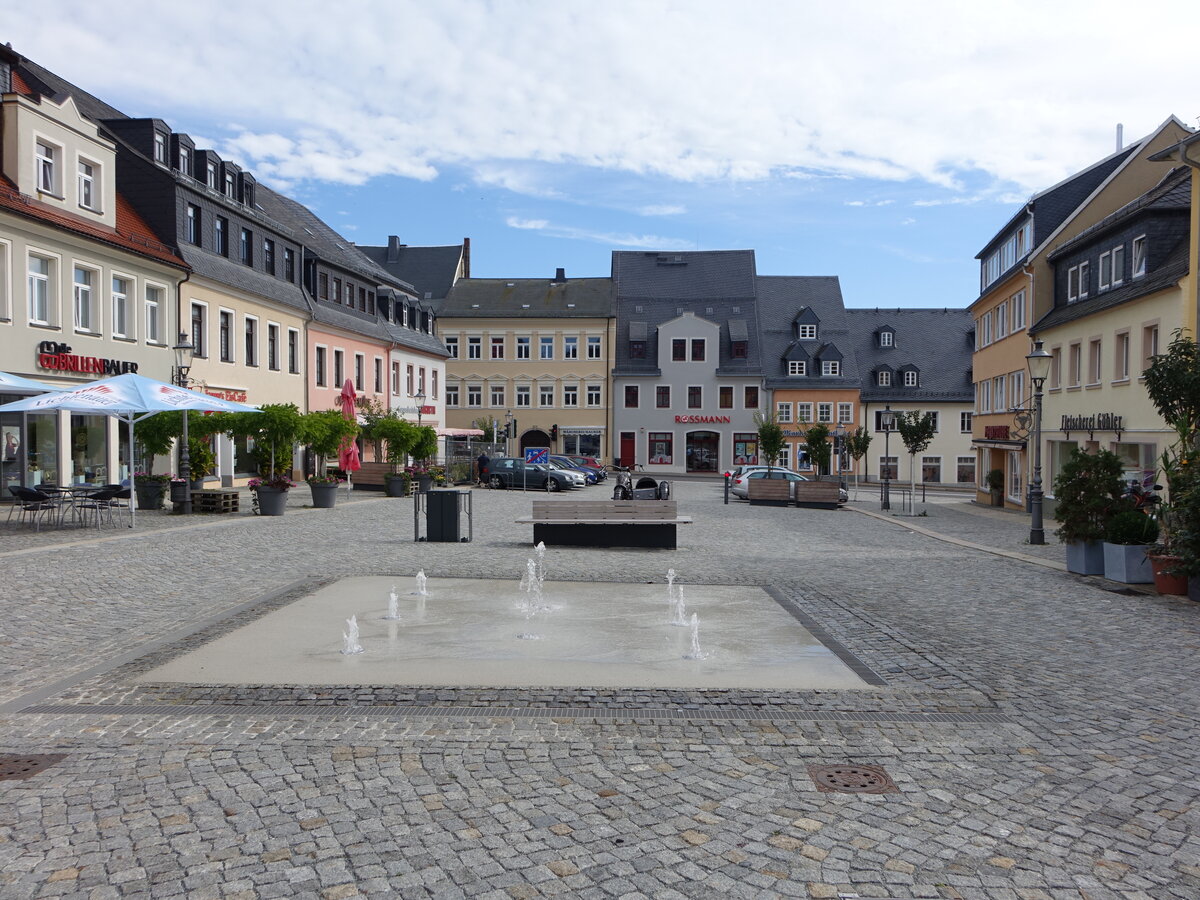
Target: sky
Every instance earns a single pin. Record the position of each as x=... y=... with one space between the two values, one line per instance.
x=884 y=143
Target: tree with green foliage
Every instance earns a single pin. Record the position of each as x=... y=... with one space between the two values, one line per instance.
x=486 y=424
x=426 y=444
x=916 y=430
x=858 y=442
x=276 y=427
x=325 y=432
x=399 y=437
x=1087 y=493
x=157 y=435
x=770 y=437
x=819 y=448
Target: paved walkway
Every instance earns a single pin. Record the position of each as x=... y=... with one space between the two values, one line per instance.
x=1040 y=728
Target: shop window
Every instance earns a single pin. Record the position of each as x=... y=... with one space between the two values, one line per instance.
x=931 y=469
x=965 y=473
x=661 y=449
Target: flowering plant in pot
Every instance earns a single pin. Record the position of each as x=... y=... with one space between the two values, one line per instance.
x=150 y=489
x=274 y=482
x=327 y=478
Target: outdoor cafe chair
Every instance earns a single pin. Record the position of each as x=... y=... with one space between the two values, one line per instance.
x=33 y=506
x=97 y=504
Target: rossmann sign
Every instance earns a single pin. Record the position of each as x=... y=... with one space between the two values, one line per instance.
x=706 y=420
x=59 y=358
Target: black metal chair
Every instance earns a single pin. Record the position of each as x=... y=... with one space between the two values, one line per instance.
x=32 y=505
x=97 y=503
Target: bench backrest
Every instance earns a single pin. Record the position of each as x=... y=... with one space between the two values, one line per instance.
x=769 y=489
x=816 y=490
x=605 y=509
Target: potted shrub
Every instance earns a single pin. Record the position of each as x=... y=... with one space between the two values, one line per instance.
x=398 y=438
x=1087 y=492
x=1127 y=538
x=202 y=462
x=995 y=484
x=150 y=489
x=272 y=493
x=325 y=432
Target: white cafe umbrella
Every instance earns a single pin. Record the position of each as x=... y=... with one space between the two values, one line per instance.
x=15 y=384
x=130 y=398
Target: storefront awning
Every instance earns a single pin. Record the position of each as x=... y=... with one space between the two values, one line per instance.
x=459 y=432
x=997 y=445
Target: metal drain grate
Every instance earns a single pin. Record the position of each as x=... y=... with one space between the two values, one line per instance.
x=852 y=780
x=14 y=768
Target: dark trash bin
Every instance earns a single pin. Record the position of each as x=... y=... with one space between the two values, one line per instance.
x=443 y=516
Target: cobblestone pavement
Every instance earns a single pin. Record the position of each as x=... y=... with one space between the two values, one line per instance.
x=1040 y=728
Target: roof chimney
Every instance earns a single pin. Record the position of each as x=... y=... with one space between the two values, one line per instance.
x=393 y=249
x=560 y=276
x=1120 y=136
x=466 y=258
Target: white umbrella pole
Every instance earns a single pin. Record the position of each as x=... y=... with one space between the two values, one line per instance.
x=132 y=477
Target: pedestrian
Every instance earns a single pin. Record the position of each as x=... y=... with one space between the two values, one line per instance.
x=482 y=463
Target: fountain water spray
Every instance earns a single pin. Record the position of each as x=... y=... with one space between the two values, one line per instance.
x=539 y=553
x=532 y=586
x=350 y=644
x=393 y=612
x=695 y=652
x=678 y=608
x=421 y=582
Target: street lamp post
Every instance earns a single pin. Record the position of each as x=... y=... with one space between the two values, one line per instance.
x=1039 y=370
x=888 y=421
x=508 y=418
x=183 y=363
x=420 y=398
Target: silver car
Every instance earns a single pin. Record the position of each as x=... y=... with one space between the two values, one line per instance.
x=740 y=486
x=577 y=478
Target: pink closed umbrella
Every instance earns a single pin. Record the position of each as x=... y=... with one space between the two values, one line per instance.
x=348 y=460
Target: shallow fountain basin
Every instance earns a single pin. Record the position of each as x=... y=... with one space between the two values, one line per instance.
x=476 y=633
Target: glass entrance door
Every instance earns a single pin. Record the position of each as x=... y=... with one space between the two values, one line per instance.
x=703 y=451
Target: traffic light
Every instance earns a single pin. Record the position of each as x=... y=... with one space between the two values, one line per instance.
x=554 y=432
x=512 y=429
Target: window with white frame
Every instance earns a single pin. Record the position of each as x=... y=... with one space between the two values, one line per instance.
x=1085 y=282
x=85 y=308
x=1014 y=476
x=224 y=335
x=998 y=395
x=845 y=413
x=593 y=395
x=985 y=329
x=1072 y=284
x=5 y=310
x=593 y=347
x=570 y=348
x=1016 y=387
x=1075 y=365
x=985 y=396
x=1121 y=362
x=964 y=424
x=570 y=395
x=200 y=330
x=497 y=347
x=965 y=470
x=1118 y=264
x=47 y=158
x=1017 y=305
x=783 y=412
x=695 y=396
x=523 y=348
x=339 y=368
x=1139 y=256
x=41 y=282
x=884 y=378
x=378 y=375
x=824 y=412
x=474 y=395
x=910 y=378
x=250 y=329
x=319 y=372
x=474 y=348
x=89 y=197
x=452 y=395
x=395 y=378
x=936 y=418
x=545 y=395
x=1104 y=273
x=1094 y=373
x=524 y=395
x=121 y=312
x=497 y=395
x=804 y=412
x=831 y=367
x=797 y=367
x=451 y=342
x=889 y=470
x=160 y=147
x=546 y=347
x=1002 y=320
x=273 y=354
x=931 y=469
x=294 y=352
x=1056 y=368
x=807 y=332
x=154 y=311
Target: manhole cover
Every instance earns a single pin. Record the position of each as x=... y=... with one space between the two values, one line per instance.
x=852 y=780
x=16 y=767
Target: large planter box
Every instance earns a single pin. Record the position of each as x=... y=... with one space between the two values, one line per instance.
x=1127 y=563
x=324 y=495
x=271 y=501
x=1085 y=558
x=150 y=495
x=396 y=486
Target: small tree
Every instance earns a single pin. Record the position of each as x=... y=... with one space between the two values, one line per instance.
x=819 y=448
x=426 y=443
x=858 y=442
x=399 y=438
x=276 y=426
x=325 y=432
x=1087 y=492
x=917 y=431
x=770 y=437
x=486 y=425
x=156 y=435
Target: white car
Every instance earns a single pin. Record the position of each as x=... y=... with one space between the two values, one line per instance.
x=577 y=478
x=740 y=486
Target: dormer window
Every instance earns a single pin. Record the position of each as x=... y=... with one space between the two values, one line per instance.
x=831 y=367
x=884 y=378
x=738 y=350
x=806 y=332
x=910 y=378
x=637 y=349
x=886 y=338
x=797 y=367
x=211 y=175
x=1139 y=256
x=87 y=185
x=185 y=160
x=229 y=185
x=160 y=147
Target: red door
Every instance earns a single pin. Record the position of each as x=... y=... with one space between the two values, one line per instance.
x=628 y=448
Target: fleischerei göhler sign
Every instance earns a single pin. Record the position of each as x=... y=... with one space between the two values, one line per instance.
x=1094 y=422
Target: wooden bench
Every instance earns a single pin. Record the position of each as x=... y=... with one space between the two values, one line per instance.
x=370 y=476
x=605 y=523
x=818 y=494
x=769 y=491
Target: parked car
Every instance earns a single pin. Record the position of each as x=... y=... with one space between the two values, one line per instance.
x=577 y=476
x=740 y=486
x=511 y=472
x=592 y=463
x=566 y=462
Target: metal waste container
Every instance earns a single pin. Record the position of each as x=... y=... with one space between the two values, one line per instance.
x=443 y=516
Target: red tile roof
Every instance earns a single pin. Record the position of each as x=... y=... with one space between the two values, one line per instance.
x=18 y=84
x=132 y=233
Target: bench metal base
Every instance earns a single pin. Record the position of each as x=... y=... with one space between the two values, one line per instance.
x=650 y=534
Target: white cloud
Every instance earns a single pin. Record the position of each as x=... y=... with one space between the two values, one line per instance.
x=908 y=221
x=664 y=209
x=607 y=238
x=925 y=92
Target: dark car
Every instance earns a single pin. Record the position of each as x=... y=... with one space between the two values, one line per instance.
x=511 y=472
x=592 y=463
x=592 y=475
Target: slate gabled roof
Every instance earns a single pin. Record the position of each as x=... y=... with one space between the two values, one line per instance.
x=430 y=270
x=43 y=81
x=637 y=317
x=529 y=298
x=936 y=341
x=780 y=300
x=244 y=278
x=687 y=275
